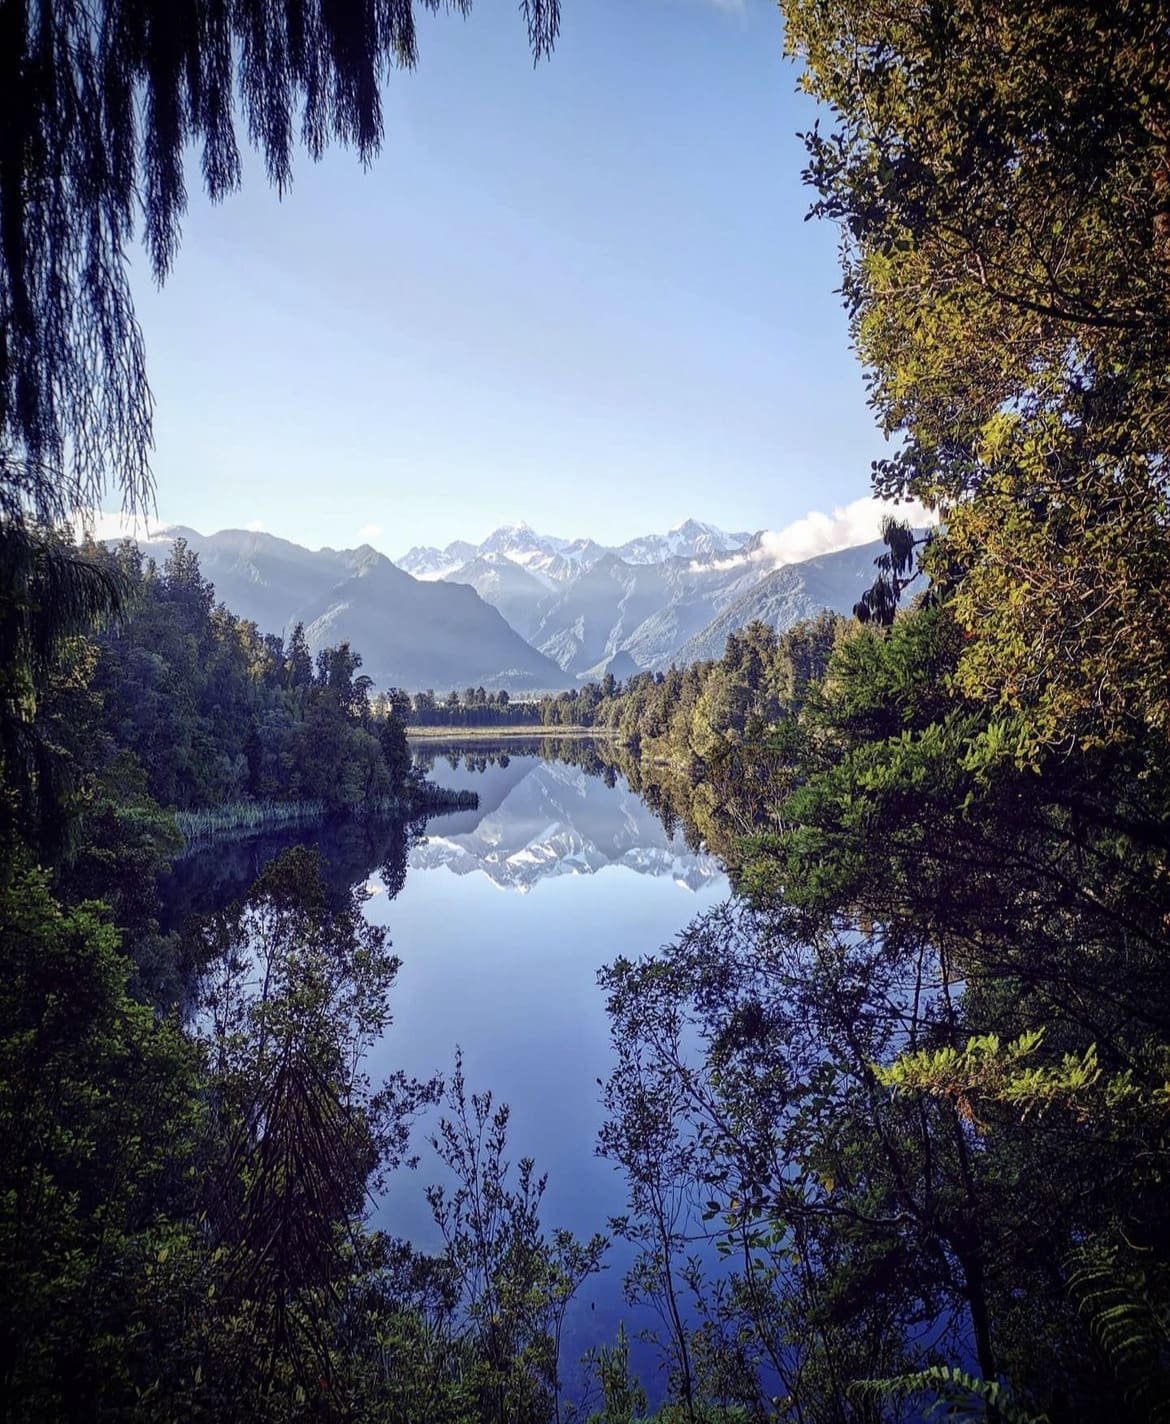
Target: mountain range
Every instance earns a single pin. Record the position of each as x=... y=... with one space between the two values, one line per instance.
x=410 y=633
x=553 y=559
x=521 y=610
x=655 y=600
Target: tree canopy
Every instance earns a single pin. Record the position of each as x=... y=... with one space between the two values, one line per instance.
x=1001 y=177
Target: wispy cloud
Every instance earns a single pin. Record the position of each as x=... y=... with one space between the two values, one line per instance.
x=369 y=531
x=103 y=524
x=106 y=524
x=817 y=533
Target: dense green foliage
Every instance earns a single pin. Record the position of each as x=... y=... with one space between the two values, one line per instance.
x=101 y=112
x=476 y=708
x=680 y=715
x=215 y=711
x=933 y=1043
x=1001 y=178
x=182 y=1210
x=919 y=1074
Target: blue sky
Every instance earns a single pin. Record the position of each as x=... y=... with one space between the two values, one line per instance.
x=582 y=295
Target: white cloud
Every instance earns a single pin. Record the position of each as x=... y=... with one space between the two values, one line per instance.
x=849 y=524
x=256 y=526
x=369 y=531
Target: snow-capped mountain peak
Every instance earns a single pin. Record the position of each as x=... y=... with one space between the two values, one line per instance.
x=514 y=538
x=426 y=562
x=557 y=560
x=691 y=540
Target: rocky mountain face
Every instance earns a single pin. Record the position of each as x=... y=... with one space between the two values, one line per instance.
x=781 y=597
x=548 y=559
x=690 y=540
x=410 y=633
x=423 y=562
x=519 y=594
x=580 y=603
x=559 y=560
x=599 y=610
x=647 y=606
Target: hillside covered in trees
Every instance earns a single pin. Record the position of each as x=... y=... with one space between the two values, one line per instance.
x=760 y=672
x=216 y=712
x=934 y=1043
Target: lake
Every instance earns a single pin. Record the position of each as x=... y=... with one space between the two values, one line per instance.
x=502 y=917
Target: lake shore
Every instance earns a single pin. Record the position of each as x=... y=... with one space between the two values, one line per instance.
x=496 y=734
x=248 y=818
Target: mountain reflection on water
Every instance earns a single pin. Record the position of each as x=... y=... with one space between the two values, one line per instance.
x=538 y=818
x=508 y=978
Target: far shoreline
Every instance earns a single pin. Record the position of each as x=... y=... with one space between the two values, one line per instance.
x=495 y=734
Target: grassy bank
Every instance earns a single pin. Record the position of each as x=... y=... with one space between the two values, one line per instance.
x=237 y=818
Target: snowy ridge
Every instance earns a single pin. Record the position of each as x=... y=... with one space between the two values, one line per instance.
x=562 y=559
x=560 y=821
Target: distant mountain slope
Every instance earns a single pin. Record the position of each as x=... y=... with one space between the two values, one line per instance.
x=699 y=591
x=645 y=611
x=509 y=587
x=599 y=610
x=537 y=618
x=580 y=601
x=260 y=576
x=785 y=596
x=621 y=666
x=416 y=635
x=410 y=633
x=425 y=562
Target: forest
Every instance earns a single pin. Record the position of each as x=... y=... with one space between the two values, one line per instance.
x=910 y=1084
x=215 y=712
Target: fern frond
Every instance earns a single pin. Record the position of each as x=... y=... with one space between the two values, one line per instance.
x=957 y=1395
x=1131 y=1325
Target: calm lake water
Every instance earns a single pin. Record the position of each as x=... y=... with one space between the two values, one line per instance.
x=502 y=917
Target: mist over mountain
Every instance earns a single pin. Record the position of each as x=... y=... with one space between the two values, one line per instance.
x=782 y=597
x=519 y=594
